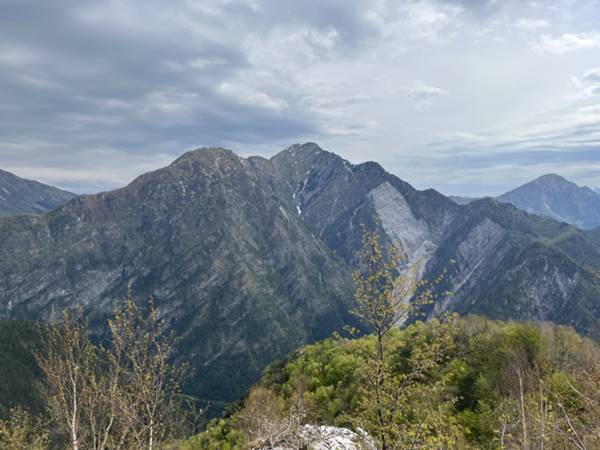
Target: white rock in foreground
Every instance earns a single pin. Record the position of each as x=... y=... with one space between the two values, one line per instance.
x=332 y=438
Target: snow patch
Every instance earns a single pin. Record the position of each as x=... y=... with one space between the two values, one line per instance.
x=284 y=213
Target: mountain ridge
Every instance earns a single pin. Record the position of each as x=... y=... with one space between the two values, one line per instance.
x=22 y=196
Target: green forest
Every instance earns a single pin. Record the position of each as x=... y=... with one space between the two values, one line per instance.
x=467 y=383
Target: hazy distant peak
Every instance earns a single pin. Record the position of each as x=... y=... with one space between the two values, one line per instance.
x=552 y=195
x=551 y=178
x=21 y=196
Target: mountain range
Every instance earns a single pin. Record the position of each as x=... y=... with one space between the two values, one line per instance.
x=19 y=196
x=249 y=258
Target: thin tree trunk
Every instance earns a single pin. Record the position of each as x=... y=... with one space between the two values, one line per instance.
x=543 y=412
x=378 y=388
x=74 y=439
x=523 y=419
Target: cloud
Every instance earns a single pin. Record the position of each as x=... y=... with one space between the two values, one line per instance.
x=587 y=85
x=531 y=24
x=427 y=20
x=424 y=94
x=567 y=42
x=250 y=97
x=18 y=56
x=94 y=93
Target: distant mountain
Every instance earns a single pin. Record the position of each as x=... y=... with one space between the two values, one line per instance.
x=19 y=196
x=248 y=258
x=554 y=196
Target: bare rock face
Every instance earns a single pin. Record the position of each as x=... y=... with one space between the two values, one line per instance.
x=413 y=235
x=21 y=196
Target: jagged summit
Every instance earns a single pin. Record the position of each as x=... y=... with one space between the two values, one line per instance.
x=300 y=148
x=204 y=153
x=304 y=154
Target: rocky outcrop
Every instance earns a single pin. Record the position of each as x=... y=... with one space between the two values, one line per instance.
x=313 y=437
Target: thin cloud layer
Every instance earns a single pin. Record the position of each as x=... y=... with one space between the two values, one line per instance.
x=93 y=94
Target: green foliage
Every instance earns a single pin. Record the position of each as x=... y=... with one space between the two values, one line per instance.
x=220 y=436
x=467 y=397
x=21 y=431
x=18 y=368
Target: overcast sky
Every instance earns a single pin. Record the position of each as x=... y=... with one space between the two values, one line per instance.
x=469 y=97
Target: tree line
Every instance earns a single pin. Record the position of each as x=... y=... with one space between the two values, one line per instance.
x=121 y=395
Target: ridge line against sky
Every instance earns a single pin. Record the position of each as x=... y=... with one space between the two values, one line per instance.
x=468 y=97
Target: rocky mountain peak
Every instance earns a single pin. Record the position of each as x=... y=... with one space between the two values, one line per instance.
x=554 y=181
x=297 y=150
x=552 y=178
x=297 y=159
x=554 y=196
x=204 y=154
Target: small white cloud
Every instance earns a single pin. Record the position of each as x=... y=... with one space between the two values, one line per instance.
x=587 y=85
x=428 y=19
x=204 y=63
x=452 y=138
x=424 y=94
x=249 y=97
x=531 y=24
x=18 y=55
x=566 y=42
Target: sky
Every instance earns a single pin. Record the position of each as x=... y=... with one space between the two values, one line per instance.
x=468 y=97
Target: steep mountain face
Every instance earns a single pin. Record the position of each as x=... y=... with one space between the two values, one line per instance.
x=250 y=258
x=509 y=264
x=496 y=260
x=334 y=198
x=20 y=196
x=233 y=270
x=555 y=197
